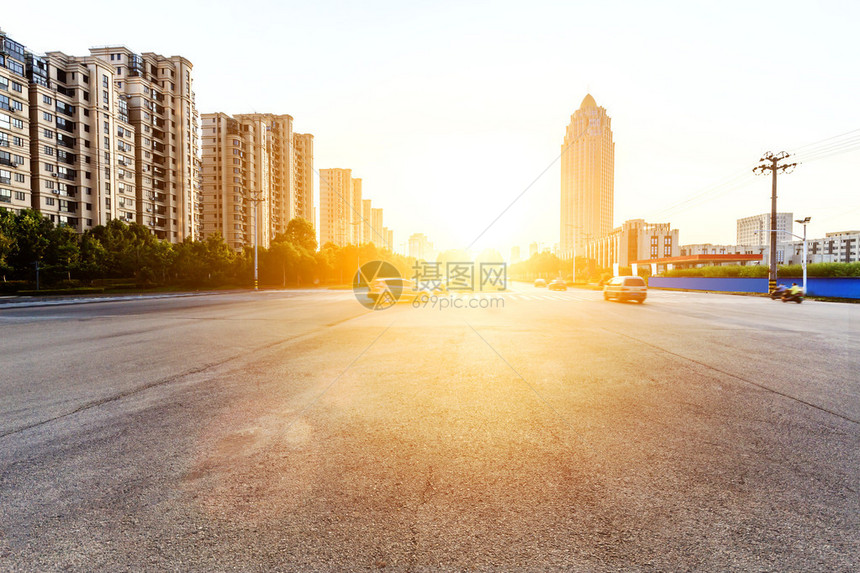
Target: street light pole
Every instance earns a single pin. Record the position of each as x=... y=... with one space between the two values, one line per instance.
x=804 y=222
x=256 y=240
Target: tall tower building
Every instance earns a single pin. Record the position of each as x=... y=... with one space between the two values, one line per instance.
x=336 y=212
x=587 y=176
x=303 y=176
x=163 y=115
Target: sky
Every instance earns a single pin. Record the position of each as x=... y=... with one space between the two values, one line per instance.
x=449 y=111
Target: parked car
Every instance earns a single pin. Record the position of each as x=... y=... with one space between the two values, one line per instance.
x=401 y=290
x=540 y=283
x=626 y=288
x=558 y=284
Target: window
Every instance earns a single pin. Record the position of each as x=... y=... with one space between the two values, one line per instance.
x=107 y=128
x=48 y=150
x=4 y=84
x=104 y=81
x=49 y=168
x=48 y=134
x=47 y=99
x=47 y=116
x=20 y=196
x=49 y=201
x=5 y=176
x=6 y=195
x=49 y=184
x=19 y=177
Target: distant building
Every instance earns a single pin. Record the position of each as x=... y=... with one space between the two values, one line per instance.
x=377 y=237
x=366 y=219
x=634 y=240
x=837 y=247
x=421 y=248
x=533 y=249
x=356 y=222
x=755 y=230
x=587 y=177
x=302 y=202
x=335 y=206
x=515 y=254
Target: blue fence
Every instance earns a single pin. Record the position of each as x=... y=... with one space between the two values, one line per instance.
x=837 y=287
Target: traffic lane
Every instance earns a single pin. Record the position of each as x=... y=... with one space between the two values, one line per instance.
x=434 y=418
x=697 y=458
x=808 y=353
x=95 y=352
x=106 y=488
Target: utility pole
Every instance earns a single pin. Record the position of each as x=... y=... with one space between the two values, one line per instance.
x=770 y=162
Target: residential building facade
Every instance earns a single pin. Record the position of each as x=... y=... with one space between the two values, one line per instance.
x=336 y=206
x=303 y=177
x=356 y=223
x=237 y=197
x=15 y=191
x=162 y=112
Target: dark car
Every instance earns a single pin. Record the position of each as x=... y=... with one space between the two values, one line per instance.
x=557 y=284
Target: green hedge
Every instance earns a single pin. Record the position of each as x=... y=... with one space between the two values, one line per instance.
x=759 y=271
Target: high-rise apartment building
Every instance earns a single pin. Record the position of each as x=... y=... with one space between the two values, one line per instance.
x=15 y=192
x=356 y=222
x=303 y=176
x=377 y=236
x=81 y=142
x=255 y=159
x=165 y=148
x=389 y=239
x=277 y=138
x=755 y=230
x=366 y=218
x=237 y=197
x=336 y=206
x=587 y=177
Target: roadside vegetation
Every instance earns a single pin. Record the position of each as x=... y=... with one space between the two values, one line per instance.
x=120 y=256
x=759 y=271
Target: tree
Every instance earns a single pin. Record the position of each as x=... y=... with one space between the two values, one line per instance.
x=7 y=240
x=301 y=233
x=32 y=238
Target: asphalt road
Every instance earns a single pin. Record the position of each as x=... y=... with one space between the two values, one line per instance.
x=300 y=431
